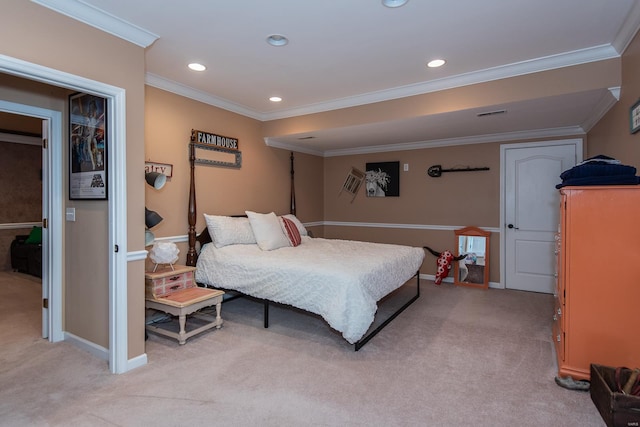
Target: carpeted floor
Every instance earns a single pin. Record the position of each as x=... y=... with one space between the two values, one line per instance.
x=457 y=356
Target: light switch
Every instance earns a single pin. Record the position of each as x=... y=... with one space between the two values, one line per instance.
x=406 y=167
x=71 y=214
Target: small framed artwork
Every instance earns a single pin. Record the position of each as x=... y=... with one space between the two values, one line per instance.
x=88 y=145
x=634 y=117
x=383 y=179
x=352 y=183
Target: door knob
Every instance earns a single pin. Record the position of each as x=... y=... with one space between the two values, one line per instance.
x=512 y=226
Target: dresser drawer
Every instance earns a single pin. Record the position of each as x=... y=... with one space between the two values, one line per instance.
x=162 y=283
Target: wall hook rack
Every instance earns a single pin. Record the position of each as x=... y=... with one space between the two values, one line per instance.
x=436 y=170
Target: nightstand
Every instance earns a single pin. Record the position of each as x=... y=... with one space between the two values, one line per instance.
x=174 y=291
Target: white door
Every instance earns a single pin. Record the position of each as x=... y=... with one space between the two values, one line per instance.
x=531 y=214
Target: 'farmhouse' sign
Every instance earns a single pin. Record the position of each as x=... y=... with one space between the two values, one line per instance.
x=213 y=139
x=216 y=150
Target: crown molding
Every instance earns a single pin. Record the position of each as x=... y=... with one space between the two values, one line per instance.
x=604 y=105
x=628 y=30
x=97 y=18
x=583 y=56
x=269 y=142
x=197 y=95
x=567 y=59
x=467 y=140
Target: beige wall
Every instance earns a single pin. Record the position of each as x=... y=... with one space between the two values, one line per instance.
x=261 y=184
x=32 y=33
x=454 y=199
x=611 y=136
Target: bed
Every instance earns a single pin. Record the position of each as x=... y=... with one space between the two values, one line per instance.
x=340 y=280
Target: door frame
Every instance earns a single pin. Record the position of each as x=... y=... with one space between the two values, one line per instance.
x=117 y=198
x=577 y=141
x=51 y=209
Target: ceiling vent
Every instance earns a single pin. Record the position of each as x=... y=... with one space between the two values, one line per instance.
x=491 y=113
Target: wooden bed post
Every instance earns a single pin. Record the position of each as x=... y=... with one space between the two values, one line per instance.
x=292 y=207
x=191 y=254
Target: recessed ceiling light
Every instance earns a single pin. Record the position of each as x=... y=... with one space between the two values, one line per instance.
x=197 y=67
x=394 y=3
x=275 y=99
x=277 y=40
x=436 y=63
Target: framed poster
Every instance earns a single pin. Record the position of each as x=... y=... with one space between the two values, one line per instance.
x=88 y=145
x=383 y=179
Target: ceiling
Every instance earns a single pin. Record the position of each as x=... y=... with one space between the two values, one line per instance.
x=356 y=52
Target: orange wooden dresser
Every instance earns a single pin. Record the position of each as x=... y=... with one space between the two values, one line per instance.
x=597 y=311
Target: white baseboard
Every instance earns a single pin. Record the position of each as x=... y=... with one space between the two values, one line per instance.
x=92 y=348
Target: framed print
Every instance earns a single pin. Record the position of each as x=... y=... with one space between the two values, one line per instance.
x=88 y=145
x=634 y=117
x=383 y=179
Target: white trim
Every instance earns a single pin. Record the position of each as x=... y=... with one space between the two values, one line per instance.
x=52 y=241
x=118 y=316
x=448 y=142
x=20 y=139
x=137 y=362
x=405 y=226
x=184 y=238
x=270 y=142
x=17 y=225
x=578 y=142
x=101 y=20
x=449 y=279
x=93 y=348
x=566 y=59
x=118 y=295
x=195 y=94
x=174 y=239
x=628 y=30
x=137 y=256
x=468 y=140
x=604 y=105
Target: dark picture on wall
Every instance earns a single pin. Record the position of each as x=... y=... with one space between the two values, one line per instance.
x=383 y=179
x=87 y=147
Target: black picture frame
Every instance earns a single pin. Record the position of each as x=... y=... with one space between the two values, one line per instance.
x=634 y=117
x=88 y=147
x=382 y=179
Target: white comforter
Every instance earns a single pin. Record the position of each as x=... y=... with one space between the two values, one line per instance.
x=341 y=280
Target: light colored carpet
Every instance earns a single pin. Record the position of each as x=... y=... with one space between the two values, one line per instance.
x=457 y=356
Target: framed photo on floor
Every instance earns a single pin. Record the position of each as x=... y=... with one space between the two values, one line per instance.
x=88 y=145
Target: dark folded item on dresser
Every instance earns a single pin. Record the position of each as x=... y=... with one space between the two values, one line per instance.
x=601 y=180
x=597 y=169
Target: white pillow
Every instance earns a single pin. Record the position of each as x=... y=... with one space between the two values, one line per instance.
x=266 y=228
x=296 y=221
x=227 y=230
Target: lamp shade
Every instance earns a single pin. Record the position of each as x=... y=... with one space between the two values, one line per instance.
x=151 y=218
x=155 y=179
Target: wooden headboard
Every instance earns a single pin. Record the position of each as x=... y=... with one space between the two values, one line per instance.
x=205 y=237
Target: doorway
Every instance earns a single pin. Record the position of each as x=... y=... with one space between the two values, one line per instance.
x=52 y=246
x=116 y=353
x=530 y=211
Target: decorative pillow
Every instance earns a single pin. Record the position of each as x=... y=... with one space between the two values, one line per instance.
x=266 y=228
x=35 y=237
x=296 y=221
x=227 y=230
x=291 y=231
